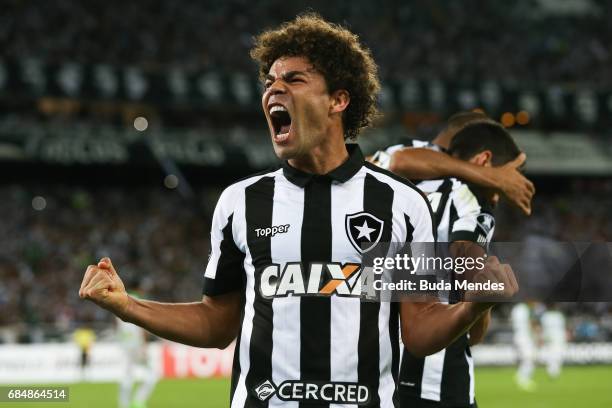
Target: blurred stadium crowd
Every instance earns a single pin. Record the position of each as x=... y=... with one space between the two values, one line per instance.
x=534 y=40
x=50 y=234
x=150 y=233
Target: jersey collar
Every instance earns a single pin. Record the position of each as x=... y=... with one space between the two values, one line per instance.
x=342 y=173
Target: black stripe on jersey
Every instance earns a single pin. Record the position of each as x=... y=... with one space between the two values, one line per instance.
x=409 y=228
x=315 y=312
x=456 y=374
x=454 y=295
x=378 y=201
x=411 y=370
x=453 y=217
x=411 y=374
x=408 y=183
x=394 y=323
x=259 y=199
x=230 y=265
x=445 y=188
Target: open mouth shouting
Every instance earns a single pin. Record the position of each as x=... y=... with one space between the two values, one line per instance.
x=281 y=122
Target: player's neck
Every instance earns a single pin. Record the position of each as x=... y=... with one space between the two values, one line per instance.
x=323 y=158
x=443 y=140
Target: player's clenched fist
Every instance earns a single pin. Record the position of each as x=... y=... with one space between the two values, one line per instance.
x=493 y=283
x=102 y=285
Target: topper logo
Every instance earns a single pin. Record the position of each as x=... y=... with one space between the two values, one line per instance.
x=271 y=231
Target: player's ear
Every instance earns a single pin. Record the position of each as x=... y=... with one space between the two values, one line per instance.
x=483 y=158
x=340 y=99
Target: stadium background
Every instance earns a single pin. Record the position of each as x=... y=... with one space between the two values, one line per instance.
x=121 y=122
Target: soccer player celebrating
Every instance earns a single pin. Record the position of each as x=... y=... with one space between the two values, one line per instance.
x=287 y=244
x=464 y=218
x=420 y=160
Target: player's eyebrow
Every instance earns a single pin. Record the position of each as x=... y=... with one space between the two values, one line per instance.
x=287 y=75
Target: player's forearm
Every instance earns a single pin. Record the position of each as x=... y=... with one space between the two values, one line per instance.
x=479 y=329
x=188 y=323
x=425 y=164
x=416 y=163
x=435 y=326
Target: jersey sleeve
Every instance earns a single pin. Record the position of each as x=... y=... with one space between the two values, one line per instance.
x=422 y=144
x=473 y=222
x=424 y=230
x=420 y=231
x=225 y=270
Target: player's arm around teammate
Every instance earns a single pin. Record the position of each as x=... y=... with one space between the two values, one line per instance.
x=421 y=163
x=425 y=164
x=212 y=322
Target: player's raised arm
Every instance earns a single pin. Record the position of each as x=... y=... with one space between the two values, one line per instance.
x=212 y=322
x=425 y=164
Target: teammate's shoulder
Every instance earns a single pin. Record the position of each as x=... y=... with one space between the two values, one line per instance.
x=464 y=191
x=459 y=186
x=440 y=185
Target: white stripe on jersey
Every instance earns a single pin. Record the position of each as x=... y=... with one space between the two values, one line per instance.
x=386 y=385
x=465 y=203
x=432 y=376
x=470 y=361
x=430 y=186
x=245 y=336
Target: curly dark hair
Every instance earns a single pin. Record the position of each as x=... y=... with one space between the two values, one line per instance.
x=336 y=53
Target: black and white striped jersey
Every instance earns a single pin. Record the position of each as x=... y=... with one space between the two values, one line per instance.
x=460 y=214
x=292 y=243
x=448 y=376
